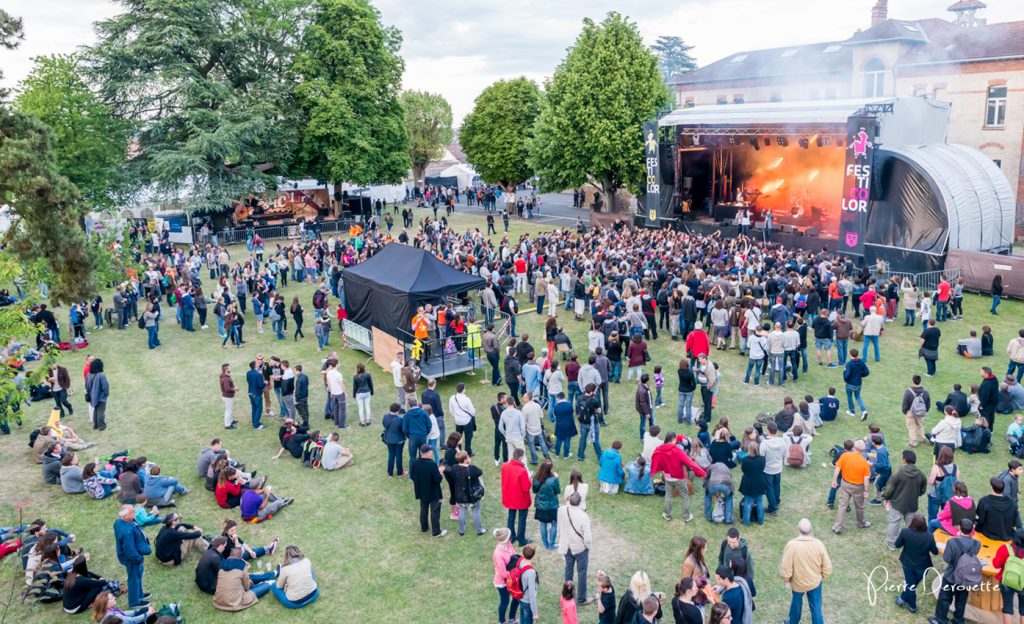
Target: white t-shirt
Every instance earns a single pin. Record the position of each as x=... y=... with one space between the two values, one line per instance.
x=396 y=373
x=335 y=382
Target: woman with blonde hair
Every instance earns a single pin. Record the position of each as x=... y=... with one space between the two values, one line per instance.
x=632 y=601
x=106 y=604
x=296 y=582
x=503 y=552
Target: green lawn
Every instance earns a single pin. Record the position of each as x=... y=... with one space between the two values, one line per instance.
x=360 y=528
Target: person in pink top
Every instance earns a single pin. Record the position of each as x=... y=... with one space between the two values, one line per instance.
x=503 y=552
x=959 y=506
x=568 y=603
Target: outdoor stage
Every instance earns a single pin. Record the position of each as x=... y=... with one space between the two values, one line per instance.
x=790 y=240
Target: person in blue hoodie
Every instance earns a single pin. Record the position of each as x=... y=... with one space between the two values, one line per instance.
x=854 y=373
x=565 y=425
x=638 y=477
x=160 y=489
x=132 y=548
x=416 y=427
x=611 y=473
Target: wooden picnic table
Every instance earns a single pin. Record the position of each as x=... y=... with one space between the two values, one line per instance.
x=986 y=597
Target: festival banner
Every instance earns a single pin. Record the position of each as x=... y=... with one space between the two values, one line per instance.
x=652 y=182
x=861 y=134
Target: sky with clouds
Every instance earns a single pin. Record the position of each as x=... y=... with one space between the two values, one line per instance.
x=458 y=47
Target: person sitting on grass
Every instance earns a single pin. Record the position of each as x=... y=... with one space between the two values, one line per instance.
x=236 y=589
x=259 y=503
x=176 y=539
x=99 y=484
x=230 y=483
x=53 y=460
x=969 y=348
x=161 y=489
x=230 y=532
x=335 y=456
x=296 y=582
x=144 y=517
x=71 y=480
x=105 y=609
x=293 y=439
x=638 y=477
x=209 y=565
x=82 y=587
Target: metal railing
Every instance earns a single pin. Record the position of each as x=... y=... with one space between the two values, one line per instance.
x=270 y=232
x=928 y=280
x=450 y=354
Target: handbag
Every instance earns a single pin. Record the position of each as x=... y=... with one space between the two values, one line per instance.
x=477 y=491
x=647 y=355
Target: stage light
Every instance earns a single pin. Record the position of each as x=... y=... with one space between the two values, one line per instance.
x=804 y=143
x=732 y=140
x=767 y=141
x=820 y=142
x=782 y=141
x=755 y=144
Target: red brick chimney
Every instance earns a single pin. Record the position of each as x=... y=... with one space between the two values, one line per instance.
x=879 y=12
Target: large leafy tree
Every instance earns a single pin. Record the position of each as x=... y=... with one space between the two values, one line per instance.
x=44 y=203
x=209 y=86
x=90 y=143
x=428 y=122
x=674 y=58
x=350 y=75
x=497 y=132
x=589 y=129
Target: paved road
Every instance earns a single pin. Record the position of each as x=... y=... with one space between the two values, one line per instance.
x=556 y=209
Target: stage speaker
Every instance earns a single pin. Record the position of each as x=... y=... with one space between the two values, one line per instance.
x=725 y=222
x=812 y=231
x=788 y=229
x=759 y=226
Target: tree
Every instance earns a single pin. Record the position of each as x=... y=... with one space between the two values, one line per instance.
x=90 y=143
x=589 y=129
x=428 y=122
x=350 y=76
x=44 y=203
x=209 y=86
x=674 y=58
x=497 y=132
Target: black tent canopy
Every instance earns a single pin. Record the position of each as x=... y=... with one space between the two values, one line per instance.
x=385 y=291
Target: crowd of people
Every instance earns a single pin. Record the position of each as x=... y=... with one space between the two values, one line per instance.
x=625 y=289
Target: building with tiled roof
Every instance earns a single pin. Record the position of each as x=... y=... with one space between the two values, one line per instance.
x=976 y=66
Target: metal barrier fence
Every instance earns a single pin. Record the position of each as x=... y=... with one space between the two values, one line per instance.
x=928 y=280
x=440 y=357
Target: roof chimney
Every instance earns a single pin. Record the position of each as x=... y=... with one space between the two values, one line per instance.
x=879 y=12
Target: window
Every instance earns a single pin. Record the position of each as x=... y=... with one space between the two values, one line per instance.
x=790 y=53
x=690 y=102
x=737 y=99
x=995 y=112
x=722 y=99
x=739 y=58
x=832 y=49
x=874 y=78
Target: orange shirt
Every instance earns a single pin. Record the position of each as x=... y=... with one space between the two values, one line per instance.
x=419 y=326
x=853 y=467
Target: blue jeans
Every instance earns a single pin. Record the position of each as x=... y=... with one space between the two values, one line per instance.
x=747 y=504
x=536 y=440
x=1020 y=369
x=256 y=403
x=774 y=482
x=517 y=515
x=755 y=367
x=796 y=606
x=288 y=604
x=220 y=326
x=261 y=589
x=868 y=341
x=803 y=360
x=685 y=407
x=548 y=534
x=996 y=300
x=153 y=340
x=645 y=419
x=778 y=363
x=793 y=359
x=506 y=604
x=134 y=584
x=934 y=506
x=842 y=346
x=911 y=318
x=851 y=393
x=942 y=311
x=563 y=446
x=934 y=525
x=574 y=391
x=584 y=434
x=616 y=372
x=709 y=498
x=395 y=459
x=525 y=613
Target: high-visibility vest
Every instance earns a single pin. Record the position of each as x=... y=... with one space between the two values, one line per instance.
x=472 y=336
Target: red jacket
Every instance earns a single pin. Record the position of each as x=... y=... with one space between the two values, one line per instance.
x=697 y=343
x=515 y=486
x=673 y=461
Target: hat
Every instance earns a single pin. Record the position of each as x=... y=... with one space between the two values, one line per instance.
x=426 y=448
x=698 y=325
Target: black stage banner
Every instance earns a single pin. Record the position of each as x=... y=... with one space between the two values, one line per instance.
x=861 y=135
x=652 y=184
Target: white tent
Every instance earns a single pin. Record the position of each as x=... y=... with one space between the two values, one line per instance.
x=464 y=173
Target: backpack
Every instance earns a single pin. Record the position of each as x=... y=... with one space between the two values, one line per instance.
x=795 y=456
x=142 y=322
x=918 y=408
x=513 y=580
x=1013 y=570
x=32 y=438
x=944 y=488
x=967 y=572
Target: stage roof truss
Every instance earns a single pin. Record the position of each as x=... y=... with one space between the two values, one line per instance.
x=787 y=131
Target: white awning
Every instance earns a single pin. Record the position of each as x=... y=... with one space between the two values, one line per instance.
x=814 y=112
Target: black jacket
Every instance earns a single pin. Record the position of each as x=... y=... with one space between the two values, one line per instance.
x=918 y=548
x=207 y=571
x=753 y=482
x=392 y=433
x=86 y=588
x=988 y=396
x=301 y=387
x=167 y=546
x=426 y=479
x=463 y=479
x=997 y=517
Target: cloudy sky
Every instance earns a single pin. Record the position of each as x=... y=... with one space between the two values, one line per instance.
x=458 y=47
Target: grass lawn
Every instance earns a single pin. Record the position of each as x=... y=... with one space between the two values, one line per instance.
x=360 y=528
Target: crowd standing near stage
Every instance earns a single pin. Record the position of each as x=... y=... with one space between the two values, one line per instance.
x=789 y=312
